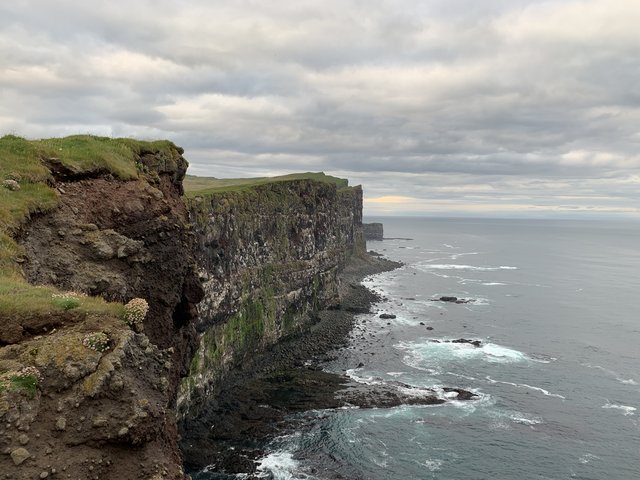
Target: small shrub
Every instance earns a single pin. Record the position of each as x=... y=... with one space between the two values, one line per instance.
x=30 y=372
x=98 y=341
x=11 y=185
x=67 y=300
x=24 y=382
x=134 y=313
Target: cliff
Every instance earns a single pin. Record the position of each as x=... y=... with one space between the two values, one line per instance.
x=268 y=255
x=90 y=223
x=373 y=231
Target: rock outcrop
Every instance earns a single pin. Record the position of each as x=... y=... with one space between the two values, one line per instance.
x=103 y=414
x=225 y=274
x=373 y=231
x=267 y=258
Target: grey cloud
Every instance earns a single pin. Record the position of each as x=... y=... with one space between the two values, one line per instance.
x=405 y=96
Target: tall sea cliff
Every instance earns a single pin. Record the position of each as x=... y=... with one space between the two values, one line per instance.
x=90 y=223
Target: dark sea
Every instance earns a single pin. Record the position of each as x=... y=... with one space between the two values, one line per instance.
x=556 y=305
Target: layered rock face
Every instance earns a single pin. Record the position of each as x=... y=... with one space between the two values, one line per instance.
x=268 y=257
x=224 y=274
x=108 y=414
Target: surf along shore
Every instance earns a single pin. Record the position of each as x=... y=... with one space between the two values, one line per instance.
x=258 y=402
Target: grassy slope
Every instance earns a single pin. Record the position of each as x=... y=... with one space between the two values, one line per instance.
x=203 y=185
x=21 y=160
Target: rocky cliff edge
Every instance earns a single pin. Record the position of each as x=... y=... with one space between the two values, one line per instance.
x=88 y=227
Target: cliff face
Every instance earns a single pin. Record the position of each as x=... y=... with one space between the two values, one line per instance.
x=225 y=274
x=268 y=256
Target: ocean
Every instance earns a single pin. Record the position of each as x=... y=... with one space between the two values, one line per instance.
x=555 y=305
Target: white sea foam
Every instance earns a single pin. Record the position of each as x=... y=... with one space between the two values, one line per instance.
x=541 y=358
x=490 y=284
x=518 y=417
x=353 y=374
x=617 y=376
x=455 y=256
x=433 y=465
x=530 y=387
x=627 y=410
x=587 y=458
x=280 y=465
x=483 y=401
x=434 y=356
x=454 y=266
x=467 y=377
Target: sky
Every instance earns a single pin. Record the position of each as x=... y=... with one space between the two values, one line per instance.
x=438 y=107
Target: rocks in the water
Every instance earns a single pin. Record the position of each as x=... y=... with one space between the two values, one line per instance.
x=373 y=231
x=393 y=394
x=387 y=316
x=462 y=394
x=452 y=300
x=429 y=328
x=475 y=343
x=448 y=299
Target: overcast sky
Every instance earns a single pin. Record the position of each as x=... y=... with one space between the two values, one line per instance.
x=441 y=107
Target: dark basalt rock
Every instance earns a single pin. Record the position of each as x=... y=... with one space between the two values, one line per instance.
x=452 y=300
x=373 y=231
x=462 y=394
x=387 y=316
x=475 y=343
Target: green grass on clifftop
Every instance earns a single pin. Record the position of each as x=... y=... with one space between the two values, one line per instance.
x=202 y=185
x=28 y=163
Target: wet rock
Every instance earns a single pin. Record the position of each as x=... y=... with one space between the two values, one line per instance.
x=475 y=343
x=448 y=299
x=462 y=394
x=387 y=316
x=452 y=300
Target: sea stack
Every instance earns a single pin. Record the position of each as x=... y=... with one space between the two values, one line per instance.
x=373 y=231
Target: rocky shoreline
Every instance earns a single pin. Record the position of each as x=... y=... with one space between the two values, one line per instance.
x=257 y=401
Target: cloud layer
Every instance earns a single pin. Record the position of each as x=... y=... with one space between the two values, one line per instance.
x=437 y=107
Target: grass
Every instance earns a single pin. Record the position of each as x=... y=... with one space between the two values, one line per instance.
x=22 y=160
x=195 y=186
x=24 y=384
x=19 y=299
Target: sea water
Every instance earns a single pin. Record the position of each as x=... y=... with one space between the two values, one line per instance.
x=556 y=305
